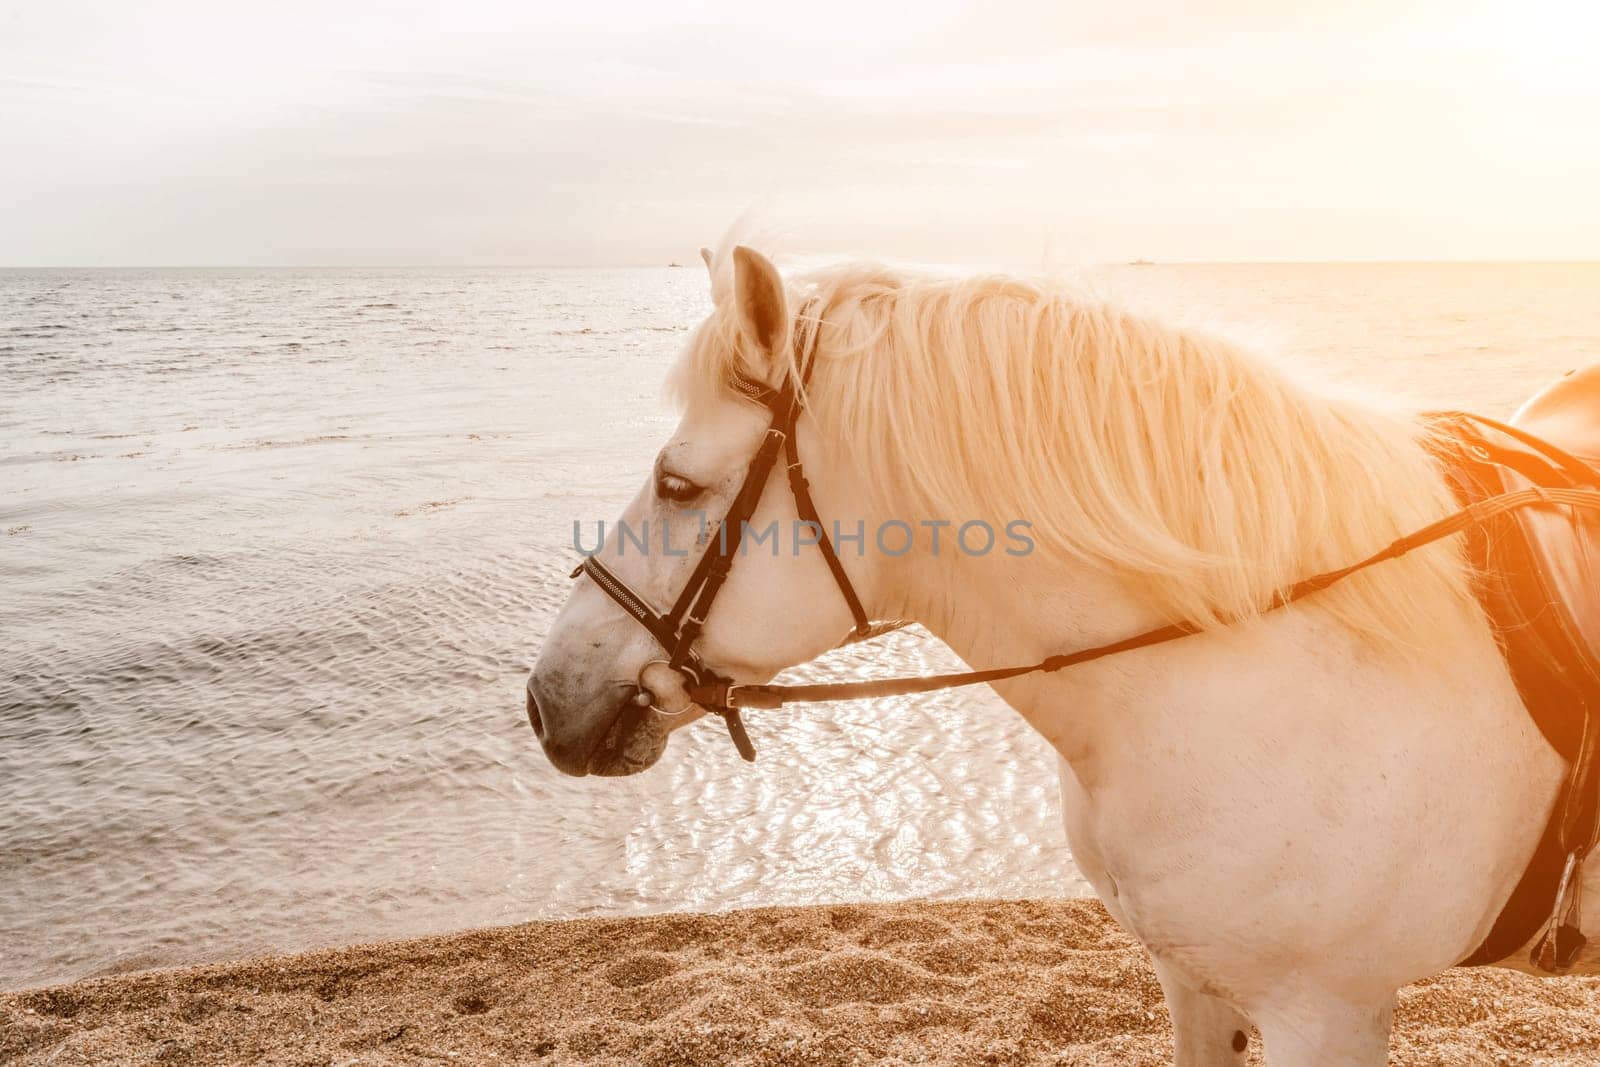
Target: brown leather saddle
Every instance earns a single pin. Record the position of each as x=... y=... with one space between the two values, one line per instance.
x=1538 y=578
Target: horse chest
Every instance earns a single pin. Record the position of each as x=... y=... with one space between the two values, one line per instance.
x=1308 y=818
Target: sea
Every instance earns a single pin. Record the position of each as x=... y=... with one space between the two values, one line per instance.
x=278 y=548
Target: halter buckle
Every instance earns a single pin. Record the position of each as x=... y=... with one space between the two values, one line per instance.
x=749 y=696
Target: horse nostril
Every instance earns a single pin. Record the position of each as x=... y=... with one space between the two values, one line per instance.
x=533 y=714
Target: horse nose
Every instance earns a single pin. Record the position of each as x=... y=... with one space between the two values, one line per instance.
x=533 y=713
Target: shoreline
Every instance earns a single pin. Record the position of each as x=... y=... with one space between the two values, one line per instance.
x=997 y=982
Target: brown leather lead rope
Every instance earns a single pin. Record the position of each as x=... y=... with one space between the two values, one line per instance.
x=733 y=695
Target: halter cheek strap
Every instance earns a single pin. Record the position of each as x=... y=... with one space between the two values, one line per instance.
x=806 y=508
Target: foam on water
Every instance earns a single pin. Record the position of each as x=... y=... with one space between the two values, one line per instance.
x=278 y=548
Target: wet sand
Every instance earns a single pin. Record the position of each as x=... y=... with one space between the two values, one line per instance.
x=1005 y=982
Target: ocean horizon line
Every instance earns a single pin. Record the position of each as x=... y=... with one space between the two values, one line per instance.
x=1139 y=262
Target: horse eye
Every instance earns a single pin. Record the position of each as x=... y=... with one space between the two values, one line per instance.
x=676 y=489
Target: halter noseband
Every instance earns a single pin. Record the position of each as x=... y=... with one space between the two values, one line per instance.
x=677 y=630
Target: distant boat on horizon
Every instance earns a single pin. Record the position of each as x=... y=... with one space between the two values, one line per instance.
x=1141 y=262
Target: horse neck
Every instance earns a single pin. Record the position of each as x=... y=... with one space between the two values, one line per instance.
x=1000 y=610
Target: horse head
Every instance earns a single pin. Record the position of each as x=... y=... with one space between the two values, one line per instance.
x=607 y=692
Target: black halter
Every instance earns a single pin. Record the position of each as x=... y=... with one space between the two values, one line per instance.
x=677 y=630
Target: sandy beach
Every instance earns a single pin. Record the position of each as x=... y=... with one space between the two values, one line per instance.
x=1005 y=982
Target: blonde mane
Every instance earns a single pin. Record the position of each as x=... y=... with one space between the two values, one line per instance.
x=1202 y=476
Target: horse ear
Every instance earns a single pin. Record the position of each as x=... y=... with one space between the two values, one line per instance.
x=705 y=254
x=758 y=296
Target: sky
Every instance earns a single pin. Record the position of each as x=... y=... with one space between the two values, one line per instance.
x=525 y=132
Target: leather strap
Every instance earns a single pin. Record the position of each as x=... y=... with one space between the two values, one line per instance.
x=1574 y=468
x=726 y=694
x=806 y=508
x=659 y=626
x=688 y=615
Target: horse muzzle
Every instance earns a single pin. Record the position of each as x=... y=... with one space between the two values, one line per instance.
x=624 y=738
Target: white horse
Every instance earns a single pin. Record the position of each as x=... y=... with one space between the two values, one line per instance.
x=1296 y=812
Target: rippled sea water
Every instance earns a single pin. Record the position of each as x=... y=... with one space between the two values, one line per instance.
x=278 y=547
